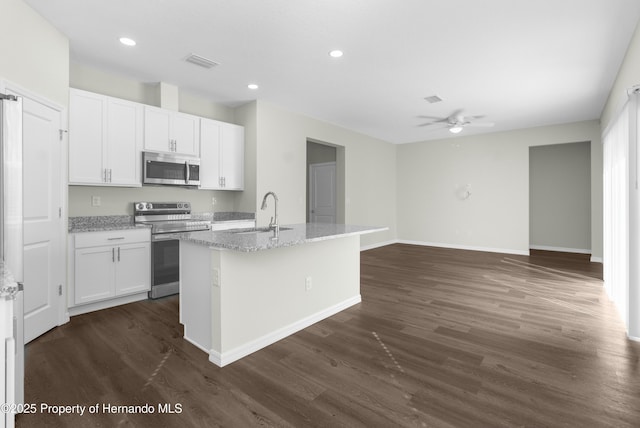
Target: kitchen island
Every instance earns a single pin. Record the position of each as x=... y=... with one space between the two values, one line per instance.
x=242 y=290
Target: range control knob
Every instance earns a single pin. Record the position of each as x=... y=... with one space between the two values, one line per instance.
x=186 y=205
x=140 y=206
x=149 y=206
x=179 y=205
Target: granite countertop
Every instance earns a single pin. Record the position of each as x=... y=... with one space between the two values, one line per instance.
x=101 y=223
x=123 y=222
x=7 y=282
x=290 y=235
x=221 y=217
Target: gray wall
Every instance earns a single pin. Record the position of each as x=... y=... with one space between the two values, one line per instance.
x=560 y=197
x=34 y=54
x=433 y=174
x=279 y=151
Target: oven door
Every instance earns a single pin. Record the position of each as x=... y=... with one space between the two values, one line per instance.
x=165 y=266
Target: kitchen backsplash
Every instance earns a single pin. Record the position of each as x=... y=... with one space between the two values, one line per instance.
x=119 y=200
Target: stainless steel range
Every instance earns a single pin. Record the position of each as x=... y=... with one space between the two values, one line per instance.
x=166 y=218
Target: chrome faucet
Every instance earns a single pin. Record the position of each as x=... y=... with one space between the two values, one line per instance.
x=273 y=224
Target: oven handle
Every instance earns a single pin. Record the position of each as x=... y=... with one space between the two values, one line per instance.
x=162 y=237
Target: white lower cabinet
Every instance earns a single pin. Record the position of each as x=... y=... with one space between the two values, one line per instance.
x=111 y=264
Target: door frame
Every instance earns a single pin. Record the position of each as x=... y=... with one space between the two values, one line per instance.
x=63 y=314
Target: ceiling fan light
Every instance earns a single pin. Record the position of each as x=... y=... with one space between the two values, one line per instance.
x=455 y=129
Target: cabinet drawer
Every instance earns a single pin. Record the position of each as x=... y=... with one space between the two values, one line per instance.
x=112 y=237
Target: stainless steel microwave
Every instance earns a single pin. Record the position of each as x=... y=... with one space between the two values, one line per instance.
x=175 y=170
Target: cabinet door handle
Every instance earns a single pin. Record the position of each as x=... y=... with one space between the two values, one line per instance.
x=104 y=175
x=115 y=239
x=118 y=253
x=113 y=255
x=110 y=171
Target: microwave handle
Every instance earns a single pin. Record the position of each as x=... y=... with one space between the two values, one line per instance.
x=186 y=170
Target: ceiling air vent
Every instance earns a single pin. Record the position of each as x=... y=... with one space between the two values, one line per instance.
x=433 y=99
x=201 y=61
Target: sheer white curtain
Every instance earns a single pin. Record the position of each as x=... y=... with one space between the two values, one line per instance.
x=621 y=213
x=616 y=211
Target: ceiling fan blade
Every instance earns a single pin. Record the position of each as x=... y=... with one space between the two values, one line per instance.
x=457 y=114
x=481 y=124
x=431 y=124
x=435 y=118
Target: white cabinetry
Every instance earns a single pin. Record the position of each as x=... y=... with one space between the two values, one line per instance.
x=111 y=264
x=105 y=140
x=170 y=131
x=221 y=155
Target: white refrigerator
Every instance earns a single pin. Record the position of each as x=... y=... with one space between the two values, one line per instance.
x=11 y=258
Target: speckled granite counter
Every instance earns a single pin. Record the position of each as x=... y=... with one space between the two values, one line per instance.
x=290 y=235
x=101 y=223
x=232 y=216
x=123 y=222
x=7 y=282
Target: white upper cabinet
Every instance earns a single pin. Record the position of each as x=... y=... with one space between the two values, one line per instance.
x=86 y=137
x=105 y=140
x=221 y=155
x=171 y=131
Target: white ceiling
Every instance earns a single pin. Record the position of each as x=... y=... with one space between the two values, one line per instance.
x=521 y=63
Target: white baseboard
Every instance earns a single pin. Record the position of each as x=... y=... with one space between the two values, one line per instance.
x=378 y=245
x=104 y=304
x=560 y=249
x=596 y=259
x=635 y=339
x=228 y=357
x=465 y=247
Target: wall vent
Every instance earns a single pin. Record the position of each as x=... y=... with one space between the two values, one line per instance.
x=433 y=99
x=201 y=61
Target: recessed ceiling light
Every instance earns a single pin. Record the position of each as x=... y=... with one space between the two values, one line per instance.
x=127 y=41
x=336 y=53
x=252 y=86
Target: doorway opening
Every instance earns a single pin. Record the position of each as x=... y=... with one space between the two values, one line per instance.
x=560 y=197
x=325 y=183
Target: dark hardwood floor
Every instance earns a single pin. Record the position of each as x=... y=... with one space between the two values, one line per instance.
x=442 y=338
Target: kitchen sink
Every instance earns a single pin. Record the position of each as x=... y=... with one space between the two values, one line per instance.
x=255 y=230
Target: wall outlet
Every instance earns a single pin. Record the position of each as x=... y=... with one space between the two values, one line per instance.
x=95 y=201
x=215 y=276
x=308 y=283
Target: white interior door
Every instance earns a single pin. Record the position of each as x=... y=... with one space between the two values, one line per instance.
x=44 y=254
x=322 y=192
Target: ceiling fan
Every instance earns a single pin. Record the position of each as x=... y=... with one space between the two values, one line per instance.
x=456 y=121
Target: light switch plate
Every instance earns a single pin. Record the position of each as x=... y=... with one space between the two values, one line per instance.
x=95 y=201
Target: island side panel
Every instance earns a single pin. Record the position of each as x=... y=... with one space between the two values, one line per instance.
x=264 y=295
x=196 y=294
